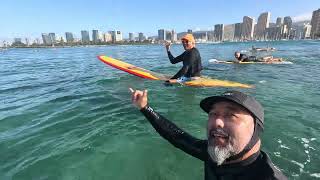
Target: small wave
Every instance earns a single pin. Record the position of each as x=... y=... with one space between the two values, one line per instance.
x=298 y=164
x=284 y=147
x=317 y=175
x=212 y=60
x=305 y=140
x=278 y=154
x=20 y=88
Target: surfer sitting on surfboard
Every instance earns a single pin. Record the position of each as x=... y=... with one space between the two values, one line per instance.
x=244 y=58
x=190 y=58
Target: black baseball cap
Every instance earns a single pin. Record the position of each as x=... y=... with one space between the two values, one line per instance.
x=244 y=100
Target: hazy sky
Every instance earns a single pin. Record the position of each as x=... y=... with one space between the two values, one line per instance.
x=30 y=18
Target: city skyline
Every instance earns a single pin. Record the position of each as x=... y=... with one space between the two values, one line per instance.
x=30 y=19
x=249 y=29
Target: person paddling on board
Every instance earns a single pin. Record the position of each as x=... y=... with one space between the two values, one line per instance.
x=190 y=58
x=232 y=147
x=244 y=58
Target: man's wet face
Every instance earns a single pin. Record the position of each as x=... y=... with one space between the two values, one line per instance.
x=230 y=128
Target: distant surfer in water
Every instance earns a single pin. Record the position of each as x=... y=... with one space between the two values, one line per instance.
x=190 y=58
x=263 y=49
x=244 y=58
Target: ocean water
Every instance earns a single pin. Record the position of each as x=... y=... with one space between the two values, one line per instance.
x=66 y=115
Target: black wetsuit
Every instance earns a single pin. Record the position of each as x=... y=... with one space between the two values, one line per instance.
x=245 y=58
x=256 y=167
x=191 y=63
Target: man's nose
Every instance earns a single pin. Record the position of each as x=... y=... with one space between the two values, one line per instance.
x=217 y=122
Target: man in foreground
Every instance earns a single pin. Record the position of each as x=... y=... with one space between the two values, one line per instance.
x=232 y=148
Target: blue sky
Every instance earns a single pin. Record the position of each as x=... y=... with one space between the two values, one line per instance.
x=29 y=18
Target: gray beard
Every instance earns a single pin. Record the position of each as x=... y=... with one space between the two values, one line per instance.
x=220 y=154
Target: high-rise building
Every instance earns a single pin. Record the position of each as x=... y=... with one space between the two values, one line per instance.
x=284 y=32
x=247 y=28
x=306 y=31
x=228 y=32
x=116 y=36
x=288 y=21
x=161 y=34
x=168 y=35
x=272 y=24
x=218 y=32
x=52 y=37
x=85 y=37
x=279 y=21
x=263 y=23
x=237 y=31
x=141 y=37
x=107 y=37
x=189 y=31
x=315 y=23
x=174 y=36
x=273 y=33
x=95 y=36
x=69 y=37
x=131 y=37
x=293 y=33
x=46 y=39
x=200 y=36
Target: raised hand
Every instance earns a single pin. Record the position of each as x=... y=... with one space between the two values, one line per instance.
x=139 y=98
x=167 y=45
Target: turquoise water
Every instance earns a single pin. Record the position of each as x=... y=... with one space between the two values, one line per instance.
x=66 y=115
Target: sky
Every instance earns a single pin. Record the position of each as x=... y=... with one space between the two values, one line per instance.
x=30 y=18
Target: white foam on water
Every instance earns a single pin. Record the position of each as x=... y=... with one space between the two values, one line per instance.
x=295 y=175
x=262 y=81
x=305 y=140
x=278 y=154
x=298 y=164
x=213 y=60
x=317 y=175
x=313 y=139
x=284 y=147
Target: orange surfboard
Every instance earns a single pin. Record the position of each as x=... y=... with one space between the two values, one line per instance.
x=143 y=73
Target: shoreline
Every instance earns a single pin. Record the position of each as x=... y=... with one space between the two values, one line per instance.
x=117 y=44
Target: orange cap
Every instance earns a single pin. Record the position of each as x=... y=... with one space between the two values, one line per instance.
x=188 y=37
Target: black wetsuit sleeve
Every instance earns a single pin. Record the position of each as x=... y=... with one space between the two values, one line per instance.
x=175 y=60
x=176 y=136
